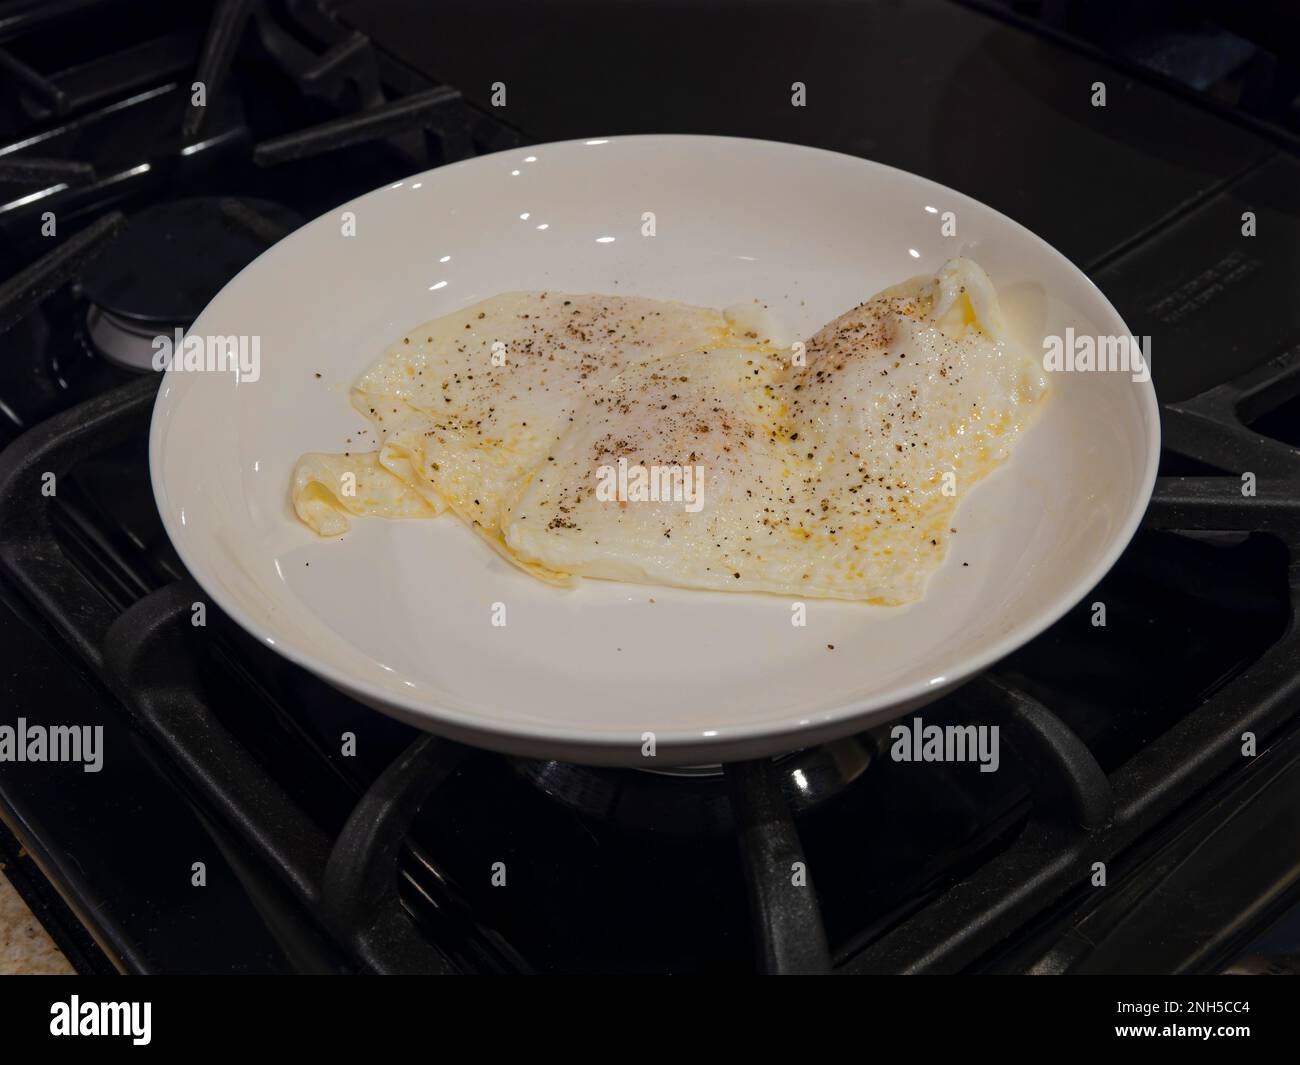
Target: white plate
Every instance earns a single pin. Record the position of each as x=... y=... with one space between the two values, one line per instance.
x=399 y=613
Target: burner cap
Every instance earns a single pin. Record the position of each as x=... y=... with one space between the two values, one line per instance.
x=172 y=258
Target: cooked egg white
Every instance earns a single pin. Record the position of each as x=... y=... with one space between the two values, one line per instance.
x=468 y=405
x=328 y=487
x=826 y=479
x=834 y=472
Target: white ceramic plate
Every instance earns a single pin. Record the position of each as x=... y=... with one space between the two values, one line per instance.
x=399 y=614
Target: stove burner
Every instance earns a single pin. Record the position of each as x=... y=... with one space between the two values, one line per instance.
x=695 y=797
x=167 y=264
x=121 y=340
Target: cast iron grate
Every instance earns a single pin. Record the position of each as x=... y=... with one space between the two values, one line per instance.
x=328 y=68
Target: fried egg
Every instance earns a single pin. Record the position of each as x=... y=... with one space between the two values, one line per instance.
x=326 y=488
x=468 y=405
x=651 y=442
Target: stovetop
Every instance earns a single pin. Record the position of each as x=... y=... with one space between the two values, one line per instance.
x=1123 y=743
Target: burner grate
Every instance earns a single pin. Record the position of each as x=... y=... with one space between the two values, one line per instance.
x=319 y=87
x=28 y=288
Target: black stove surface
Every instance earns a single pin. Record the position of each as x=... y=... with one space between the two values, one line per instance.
x=217 y=751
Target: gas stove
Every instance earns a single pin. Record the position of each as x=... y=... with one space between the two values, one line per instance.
x=124 y=206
